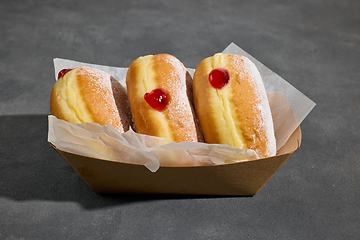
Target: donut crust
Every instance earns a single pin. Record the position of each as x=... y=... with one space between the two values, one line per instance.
x=238 y=114
x=86 y=95
x=177 y=121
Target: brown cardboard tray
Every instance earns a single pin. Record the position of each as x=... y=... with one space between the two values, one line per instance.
x=234 y=179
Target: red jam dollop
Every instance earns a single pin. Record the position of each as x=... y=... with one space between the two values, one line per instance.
x=158 y=99
x=63 y=72
x=219 y=77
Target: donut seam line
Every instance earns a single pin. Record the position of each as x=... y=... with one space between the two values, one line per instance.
x=66 y=97
x=226 y=113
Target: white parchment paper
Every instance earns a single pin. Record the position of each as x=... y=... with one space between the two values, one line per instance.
x=289 y=107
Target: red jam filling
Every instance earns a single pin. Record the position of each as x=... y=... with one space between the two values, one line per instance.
x=158 y=99
x=63 y=72
x=219 y=77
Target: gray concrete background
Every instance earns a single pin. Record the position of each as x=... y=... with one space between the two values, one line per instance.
x=314 y=45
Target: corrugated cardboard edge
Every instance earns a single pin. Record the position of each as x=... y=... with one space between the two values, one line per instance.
x=235 y=179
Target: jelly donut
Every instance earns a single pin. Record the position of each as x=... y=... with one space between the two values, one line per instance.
x=160 y=95
x=231 y=104
x=86 y=95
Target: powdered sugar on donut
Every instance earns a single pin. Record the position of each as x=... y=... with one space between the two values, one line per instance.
x=179 y=104
x=260 y=105
x=99 y=79
x=264 y=108
x=99 y=86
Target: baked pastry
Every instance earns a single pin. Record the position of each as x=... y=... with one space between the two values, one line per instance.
x=87 y=95
x=160 y=95
x=231 y=104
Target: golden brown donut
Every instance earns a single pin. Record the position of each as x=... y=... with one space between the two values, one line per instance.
x=86 y=95
x=231 y=104
x=160 y=95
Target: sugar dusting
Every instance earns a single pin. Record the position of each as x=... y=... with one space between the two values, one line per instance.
x=100 y=84
x=180 y=105
x=261 y=106
x=98 y=78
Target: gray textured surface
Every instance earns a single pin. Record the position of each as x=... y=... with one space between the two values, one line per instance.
x=314 y=45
